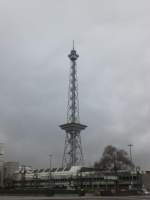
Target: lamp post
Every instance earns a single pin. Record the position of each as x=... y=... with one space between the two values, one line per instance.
x=50 y=168
x=130 y=150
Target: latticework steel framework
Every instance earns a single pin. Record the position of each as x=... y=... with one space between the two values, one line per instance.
x=73 y=154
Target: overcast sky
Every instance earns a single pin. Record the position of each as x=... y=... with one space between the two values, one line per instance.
x=113 y=41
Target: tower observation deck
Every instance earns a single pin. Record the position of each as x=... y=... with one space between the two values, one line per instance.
x=73 y=154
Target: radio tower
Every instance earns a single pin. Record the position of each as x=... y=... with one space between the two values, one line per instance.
x=73 y=154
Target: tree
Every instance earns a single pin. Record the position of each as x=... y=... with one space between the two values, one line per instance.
x=114 y=159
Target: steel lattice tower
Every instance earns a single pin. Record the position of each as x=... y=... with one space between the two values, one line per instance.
x=73 y=154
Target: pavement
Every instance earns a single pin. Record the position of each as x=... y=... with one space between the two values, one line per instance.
x=74 y=198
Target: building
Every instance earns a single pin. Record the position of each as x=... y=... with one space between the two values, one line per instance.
x=146 y=180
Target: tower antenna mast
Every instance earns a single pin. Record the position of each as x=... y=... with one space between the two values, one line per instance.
x=73 y=154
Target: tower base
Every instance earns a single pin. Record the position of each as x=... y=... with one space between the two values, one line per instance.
x=73 y=154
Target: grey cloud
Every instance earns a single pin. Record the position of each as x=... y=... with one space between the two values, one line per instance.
x=112 y=38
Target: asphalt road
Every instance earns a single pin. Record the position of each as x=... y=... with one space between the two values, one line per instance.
x=74 y=198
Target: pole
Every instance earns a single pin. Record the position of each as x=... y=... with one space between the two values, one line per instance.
x=130 y=150
x=50 y=168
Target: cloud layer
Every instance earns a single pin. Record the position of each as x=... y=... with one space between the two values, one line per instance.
x=112 y=39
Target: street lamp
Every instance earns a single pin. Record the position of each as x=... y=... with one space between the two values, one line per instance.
x=130 y=150
x=50 y=161
x=50 y=167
